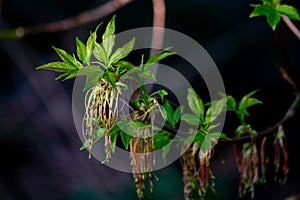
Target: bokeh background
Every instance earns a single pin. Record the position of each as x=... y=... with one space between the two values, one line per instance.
x=39 y=146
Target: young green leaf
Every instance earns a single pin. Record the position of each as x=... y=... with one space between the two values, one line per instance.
x=218 y=135
x=261 y=10
x=57 y=67
x=273 y=19
x=247 y=102
x=147 y=74
x=124 y=65
x=90 y=44
x=273 y=16
x=110 y=77
x=177 y=115
x=169 y=113
x=162 y=139
x=205 y=145
x=160 y=93
x=81 y=50
x=195 y=103
x=190 y=119
x=113 y=133
x=67 y=58
x=113 y=139
x=158 y=57
x=98 y=135
x=68 y=75
x=100 y=54
x=199 y=137
x=289 y=11
x=125 y=139
x=214 y=110
x=122 y=52
x=108 y=38
x=230 y=103
x=93 y=73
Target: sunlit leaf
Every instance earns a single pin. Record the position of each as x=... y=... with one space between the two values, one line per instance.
x=289 y=11
x=111 y=78
x=169 y=113
x=67 y=58
x=261 y=10
x=230 y=103
x=100 y=54
x=81 y=50
x=93 y=73
x=273 y=16
x=190 y=119
x=108 y=38
x=57 y=66
x=247 y=101
x=113 y=133
x=158 y=57
x=177 y=115
x=97 y=136
x=195 y=103
x=122 y=52
x=125 y=139
x=161 y=139
x=147 y=74
x=273 y=19
x=214 y=110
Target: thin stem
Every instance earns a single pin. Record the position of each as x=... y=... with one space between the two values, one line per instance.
x=291 y=26
x=65 y=24
x=159 y=11
x=289 y=114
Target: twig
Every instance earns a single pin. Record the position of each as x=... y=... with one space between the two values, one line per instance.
x=159 y=11
x=291 y=26
x=289 y=114
x=286 y=77
x=65 y=24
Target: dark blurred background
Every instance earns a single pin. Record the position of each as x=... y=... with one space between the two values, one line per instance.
x=39 y=146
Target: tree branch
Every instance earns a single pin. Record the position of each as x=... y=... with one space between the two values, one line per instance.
x=159 y=11
x=291 y=26
x=65 y=24
x=289 y=114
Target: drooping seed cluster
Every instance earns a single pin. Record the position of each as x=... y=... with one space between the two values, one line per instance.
x=101 y=110
x=197 y=179
x=252 y=164
x=142 y=162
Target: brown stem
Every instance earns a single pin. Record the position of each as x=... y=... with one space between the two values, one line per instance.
x=286 y=77
x=65 y=24
x=291 y=26
x=159 y=11
x=289 y=114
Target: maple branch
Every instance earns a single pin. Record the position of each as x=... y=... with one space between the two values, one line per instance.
x=65 y=24
x=291 y=26
x=289 y=114
x=159 y=11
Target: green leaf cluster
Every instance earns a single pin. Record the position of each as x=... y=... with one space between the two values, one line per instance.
x=241 y=108
x=108 y=65
x=204 y=118
x=102 y=63
x=272 y=9
x=172 y=115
